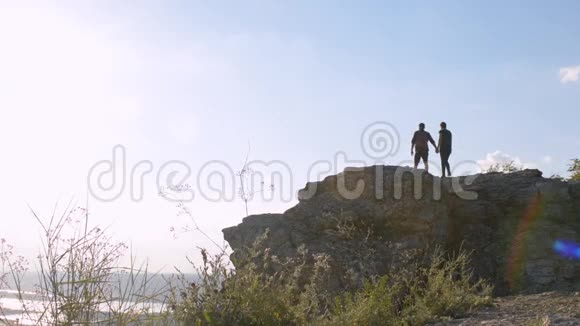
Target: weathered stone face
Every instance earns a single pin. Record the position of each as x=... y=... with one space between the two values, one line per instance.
x=509 y=221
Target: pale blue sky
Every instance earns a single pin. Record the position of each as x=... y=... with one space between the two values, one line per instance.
x=299 y=80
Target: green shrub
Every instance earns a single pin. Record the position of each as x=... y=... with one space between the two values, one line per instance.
x=443 y=289
x=574 y=169
x=449 y=290
x=223 y=297
x=375 y=304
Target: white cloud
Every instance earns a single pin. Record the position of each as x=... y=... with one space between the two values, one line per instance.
x=499 y=157
x=547 y=159
x=569 y=74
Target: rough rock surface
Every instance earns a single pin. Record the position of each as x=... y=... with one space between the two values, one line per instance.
x=510 y=222
x=548 y=308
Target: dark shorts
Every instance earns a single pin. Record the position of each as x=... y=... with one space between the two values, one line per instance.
x=421 y=155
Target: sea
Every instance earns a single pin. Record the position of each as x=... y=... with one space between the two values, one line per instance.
x=26 y=307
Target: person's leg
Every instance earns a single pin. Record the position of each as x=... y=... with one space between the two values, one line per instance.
x=417 y=158
x=447 y=166
x=425 y=157
x=442 y=155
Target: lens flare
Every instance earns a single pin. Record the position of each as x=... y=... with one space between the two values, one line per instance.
x=517 y=256
x=567 y=249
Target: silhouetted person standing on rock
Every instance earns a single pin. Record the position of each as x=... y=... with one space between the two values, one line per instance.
x=420 y=142
x=444 y=148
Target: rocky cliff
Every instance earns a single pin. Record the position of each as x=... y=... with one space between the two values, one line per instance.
x=520 y=226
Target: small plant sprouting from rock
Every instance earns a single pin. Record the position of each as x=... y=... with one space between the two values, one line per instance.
x=246 y=191
x=508 y=167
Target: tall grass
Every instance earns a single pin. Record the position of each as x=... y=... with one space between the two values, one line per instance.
x=82 y=281
x=443 y=289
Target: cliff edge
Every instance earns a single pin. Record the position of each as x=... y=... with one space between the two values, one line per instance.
x=520 y=227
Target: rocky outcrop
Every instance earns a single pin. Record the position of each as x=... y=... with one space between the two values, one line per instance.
x=367 y=221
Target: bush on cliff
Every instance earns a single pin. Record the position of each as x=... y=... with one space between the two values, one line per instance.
x=223 y=297
x=574 y=169
x=442 y=289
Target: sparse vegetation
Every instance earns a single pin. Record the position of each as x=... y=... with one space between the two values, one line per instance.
x=81 y=280
x=441 y=290
x=557 y=177
x=574 y=169
x=540 y=321
x=224 y=297
x=508 y=167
